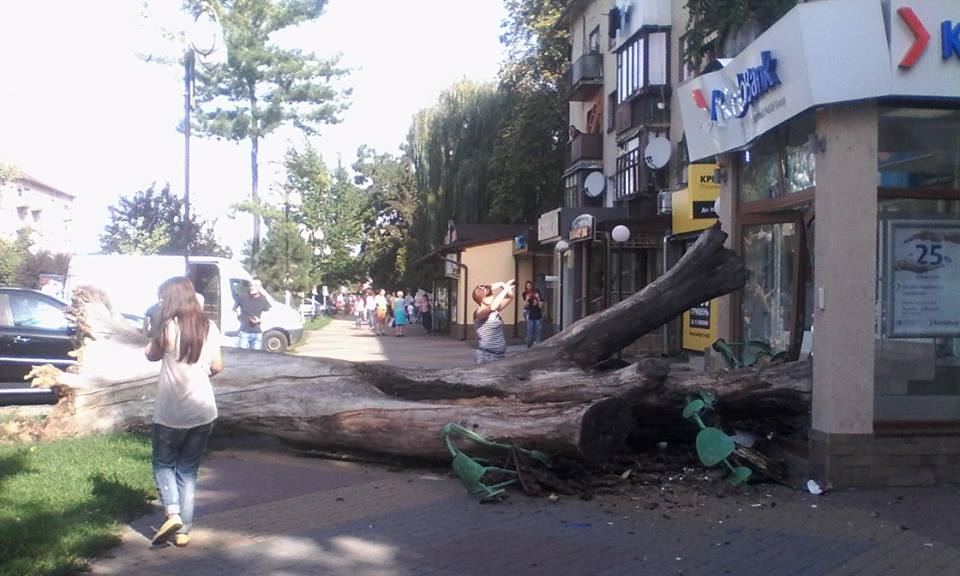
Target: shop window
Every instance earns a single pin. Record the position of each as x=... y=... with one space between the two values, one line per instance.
x=769 y=253
x=800 y=160
x=919 y=148
x=917 y=371
x=760 y=170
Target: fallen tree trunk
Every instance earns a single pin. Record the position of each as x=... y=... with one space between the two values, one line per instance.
x=546 y=398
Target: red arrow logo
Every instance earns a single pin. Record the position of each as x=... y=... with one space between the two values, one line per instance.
x=699 y=99
x=920 y=35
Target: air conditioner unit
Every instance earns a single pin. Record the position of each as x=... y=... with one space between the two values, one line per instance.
x=664 y=202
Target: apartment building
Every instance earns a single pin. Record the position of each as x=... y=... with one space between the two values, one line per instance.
x=623 y=156
x=26 y=202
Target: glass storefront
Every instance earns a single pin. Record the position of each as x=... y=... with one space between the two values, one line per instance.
x=917 y=321
x=769 y=253
x=917 y=371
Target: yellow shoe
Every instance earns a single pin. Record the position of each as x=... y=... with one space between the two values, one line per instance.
x=169 y=526
x=181 y=540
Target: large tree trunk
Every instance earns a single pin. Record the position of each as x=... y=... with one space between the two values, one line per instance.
x=546 y=398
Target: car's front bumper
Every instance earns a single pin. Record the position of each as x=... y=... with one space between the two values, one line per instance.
x=295 y=336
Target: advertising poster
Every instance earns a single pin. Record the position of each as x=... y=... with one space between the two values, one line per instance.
x=924 y=291
x=699 y=326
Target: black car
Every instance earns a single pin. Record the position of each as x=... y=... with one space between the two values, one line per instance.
x=33 y=331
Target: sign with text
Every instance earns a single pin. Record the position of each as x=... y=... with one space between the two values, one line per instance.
x=582 y=228
x=548 y=226
x=700 y=326
x=923 y=278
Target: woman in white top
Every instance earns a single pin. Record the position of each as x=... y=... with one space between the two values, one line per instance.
x=188 y=346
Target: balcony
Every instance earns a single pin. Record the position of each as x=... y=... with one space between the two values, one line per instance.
x=584 y=147
x=643 y=111
x=584 y=80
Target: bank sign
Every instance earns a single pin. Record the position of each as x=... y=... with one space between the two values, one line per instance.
x=823 y=53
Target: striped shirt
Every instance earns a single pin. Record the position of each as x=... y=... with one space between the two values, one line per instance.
x=490 y=334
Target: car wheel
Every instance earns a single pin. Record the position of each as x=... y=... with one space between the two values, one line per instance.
x=275 y=341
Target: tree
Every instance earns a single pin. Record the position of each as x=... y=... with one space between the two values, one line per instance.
x=264 y=86
x=390 y=209
x=12 y=256
x=528 y=155
x=328 y=215
x=711 y=22
x=285 y=260
x=558 y=397
x=151 y=222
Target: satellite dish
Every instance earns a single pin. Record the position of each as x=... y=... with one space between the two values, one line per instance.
x=594 y=184
x=657 y=152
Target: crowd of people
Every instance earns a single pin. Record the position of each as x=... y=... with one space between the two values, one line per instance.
x=378 y=310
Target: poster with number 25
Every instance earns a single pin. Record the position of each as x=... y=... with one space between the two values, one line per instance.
x=924 y=257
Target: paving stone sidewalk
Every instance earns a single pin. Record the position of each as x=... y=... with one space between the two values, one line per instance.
x=264 y=510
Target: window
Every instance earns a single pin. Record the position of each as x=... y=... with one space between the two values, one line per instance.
x=630 y=70
x=611 y=111
x=917 y=362
x=919 y=148
x=687 y=71
x=780 y=162
x=29 y=311
x=642 y=62
x=629 y=174
x=769 y=252
x=593 y=43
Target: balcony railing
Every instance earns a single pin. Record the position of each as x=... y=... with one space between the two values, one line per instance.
x=585 y=77
x=651 y=111
x=585 y=147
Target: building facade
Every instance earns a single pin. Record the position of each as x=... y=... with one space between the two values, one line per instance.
x=835 y=138
x=27 y=203
x=622 y=156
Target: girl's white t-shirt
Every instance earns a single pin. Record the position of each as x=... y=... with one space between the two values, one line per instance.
x=184 y=394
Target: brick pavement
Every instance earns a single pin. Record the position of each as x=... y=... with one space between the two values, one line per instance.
x=266 y=511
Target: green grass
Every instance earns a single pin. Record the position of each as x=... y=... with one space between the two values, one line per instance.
x=62 y=502
x=316 y=323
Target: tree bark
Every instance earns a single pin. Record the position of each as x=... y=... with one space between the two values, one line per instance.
x=546 y=399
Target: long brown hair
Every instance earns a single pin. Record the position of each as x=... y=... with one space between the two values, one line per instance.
x=179 y=302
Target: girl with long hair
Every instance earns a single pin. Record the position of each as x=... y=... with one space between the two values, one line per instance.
x=187 y=344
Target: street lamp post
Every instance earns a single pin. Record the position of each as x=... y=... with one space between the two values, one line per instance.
x=290 y=199
x=620 y=235
x=561 y=247
x=204 y=39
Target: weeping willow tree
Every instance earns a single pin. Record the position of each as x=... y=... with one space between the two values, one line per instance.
x=450 y=145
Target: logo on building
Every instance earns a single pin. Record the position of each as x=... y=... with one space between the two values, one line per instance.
x=752 y=84
x=949 y=38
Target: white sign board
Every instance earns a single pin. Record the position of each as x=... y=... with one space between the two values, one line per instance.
x=823 y=53
x=923 y=257
x=548 y=226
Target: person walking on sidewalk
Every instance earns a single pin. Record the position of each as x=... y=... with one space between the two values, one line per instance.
x=380 y=305
x=399 y=314
x=370 y=303
x=426 y=315
x=251 y=306
x=532 y=313
x=360 y=310
x=491 y=299
x=187 y=344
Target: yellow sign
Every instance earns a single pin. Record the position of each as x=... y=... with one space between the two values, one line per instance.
x=693 y=207
x=700 y=326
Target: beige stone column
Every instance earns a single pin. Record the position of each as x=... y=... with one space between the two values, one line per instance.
x=845 y=269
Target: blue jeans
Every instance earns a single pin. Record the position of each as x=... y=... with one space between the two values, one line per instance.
x=176 y=458
x=533 y=331
x=250 y=340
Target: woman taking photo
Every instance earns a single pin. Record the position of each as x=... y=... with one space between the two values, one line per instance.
x=188 y=346
x=491 y=299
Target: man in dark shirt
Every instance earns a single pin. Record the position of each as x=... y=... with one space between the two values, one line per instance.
x=251 y=306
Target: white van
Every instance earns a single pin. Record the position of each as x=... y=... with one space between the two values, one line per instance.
x=131 y=283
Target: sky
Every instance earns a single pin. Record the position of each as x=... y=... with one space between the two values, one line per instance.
x=82 y=111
